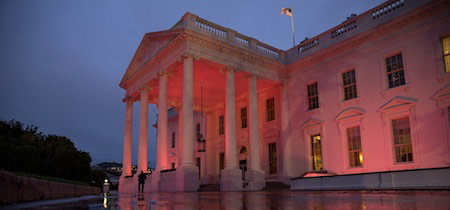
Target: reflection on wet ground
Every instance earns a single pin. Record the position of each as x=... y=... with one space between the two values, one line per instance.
x=262 y=200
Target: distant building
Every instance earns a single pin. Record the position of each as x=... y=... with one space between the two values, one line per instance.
x=363 y=105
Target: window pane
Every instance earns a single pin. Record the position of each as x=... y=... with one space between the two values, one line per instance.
x=270 y=109
x=354 y=147
x=394 y=70
x=313 y=96
x=402 y=140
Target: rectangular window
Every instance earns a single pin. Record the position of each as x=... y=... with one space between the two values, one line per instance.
x=222 y=160
x=273 y=158
x=173 y=139
x=394 y=70
x=197 y=130
x=349 y=84
x=446 y=48
x=221 y=125
x=313 y=96
x=244 y=117
x=354 y=147
x=270 y=109
x=402 y=140
x=173 y=165
x=316 y=152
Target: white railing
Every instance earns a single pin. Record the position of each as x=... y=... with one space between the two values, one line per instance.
x=210 y=28
x=391 y=6
x=309 y=45
x=268 y=51
x=344 y=28
x=242 y=41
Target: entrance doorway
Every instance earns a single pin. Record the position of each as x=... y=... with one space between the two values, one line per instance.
x=243 y=167
x=316 y=152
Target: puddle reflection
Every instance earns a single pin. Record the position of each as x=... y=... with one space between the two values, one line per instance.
x=279 y=200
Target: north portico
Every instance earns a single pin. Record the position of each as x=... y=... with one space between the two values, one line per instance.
x=194 y=59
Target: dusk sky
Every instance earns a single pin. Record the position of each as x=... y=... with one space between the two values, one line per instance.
x=62 y=61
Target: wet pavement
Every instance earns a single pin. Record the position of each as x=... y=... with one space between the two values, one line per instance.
x=254 y=200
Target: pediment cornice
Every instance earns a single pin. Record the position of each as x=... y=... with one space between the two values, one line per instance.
x=398 y=103
x=350 y=113
x=312 y=122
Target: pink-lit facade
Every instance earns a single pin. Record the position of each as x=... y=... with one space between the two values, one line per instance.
x=369 y=95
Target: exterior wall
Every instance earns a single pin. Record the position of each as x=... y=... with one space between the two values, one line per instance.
x=21 y=189
x=420 y=46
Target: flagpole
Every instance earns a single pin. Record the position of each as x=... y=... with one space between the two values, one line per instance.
x=292 y=24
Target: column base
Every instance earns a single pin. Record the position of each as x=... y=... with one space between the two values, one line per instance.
x=127 y=185
x=187 y=179
x=231 y=180
x=256 y=180
x=285 y=177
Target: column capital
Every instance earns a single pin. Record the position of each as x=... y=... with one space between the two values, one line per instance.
x=128 y=98
x=251 y=75
x=163 y=73
x=226 y=69
x=146 y=88
x=188 y=55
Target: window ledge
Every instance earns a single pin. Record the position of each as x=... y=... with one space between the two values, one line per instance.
x=354 y=170
x=403 y=166
x=349 y=102
x=314 y=111
x=402 y=88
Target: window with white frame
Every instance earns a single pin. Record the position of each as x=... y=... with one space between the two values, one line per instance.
x=446 y=49
x=270 y=109
x=272 y=158
x=402 y=140
x=313 y=96
x=394 y=70
x=354 y=147
x=173 y=140
x=244 y=117
x=349 y=84
x=221 y=125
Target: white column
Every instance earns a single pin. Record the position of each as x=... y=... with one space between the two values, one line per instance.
x=285 y=134
x=126 y=163
x=187 y=155
x=230 y=122
x=179 y=136
x=255 y=163
x=161 y=144
x=143 y=132
x=254 y=176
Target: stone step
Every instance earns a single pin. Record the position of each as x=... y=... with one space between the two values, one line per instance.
x=209 y=187
x=276 y=186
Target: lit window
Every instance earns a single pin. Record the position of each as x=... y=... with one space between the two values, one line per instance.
x=244 y=117
x=354 y=147
x=313 y=96
x=272 y=158
x=270 y=109
x=349 y=84
x=446 y=47
x=402 y=140
x=316 y=152
x=394 y=70
x=221 y=125
x=173 y=139
x=197 y=130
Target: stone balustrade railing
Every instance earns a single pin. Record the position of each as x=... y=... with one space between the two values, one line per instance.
x=353 y=26
x=230 y=36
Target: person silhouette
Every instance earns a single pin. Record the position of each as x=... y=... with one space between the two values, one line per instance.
x=141 y=179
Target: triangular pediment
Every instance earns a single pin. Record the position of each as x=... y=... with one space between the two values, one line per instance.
x=349 y=113
x=312 y=122
x=442 y=94
x=150 y=45
x=398 y=102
